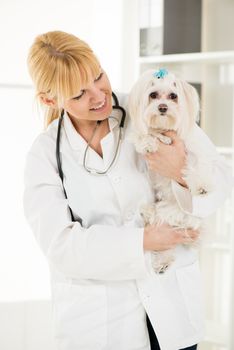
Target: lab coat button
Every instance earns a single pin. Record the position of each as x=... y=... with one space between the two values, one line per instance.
x=116 y=179
x=129 y=215
x=145 y=297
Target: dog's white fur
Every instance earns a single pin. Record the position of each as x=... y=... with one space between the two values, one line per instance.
x=180 y=113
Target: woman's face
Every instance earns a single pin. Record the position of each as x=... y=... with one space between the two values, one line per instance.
x=93 y=102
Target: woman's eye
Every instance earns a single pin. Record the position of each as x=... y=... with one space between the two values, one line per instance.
x=83 y=91
x=99 y=77
x=78 y=97
x=153 y=95
x=173 y=96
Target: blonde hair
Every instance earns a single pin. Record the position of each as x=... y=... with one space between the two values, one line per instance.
x=60 y=64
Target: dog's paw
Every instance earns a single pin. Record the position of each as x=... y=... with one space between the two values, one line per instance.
x=146 y=144
x=200 y=189
x=161 y=268
x=198 y=176
x=161 y=261
x=158 y=196
x=164 y=139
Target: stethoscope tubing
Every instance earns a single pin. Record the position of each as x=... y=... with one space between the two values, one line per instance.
x=95 y=171
x=58 y=158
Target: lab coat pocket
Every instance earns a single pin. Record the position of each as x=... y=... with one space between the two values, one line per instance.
x=80 y=315
x=190 y=284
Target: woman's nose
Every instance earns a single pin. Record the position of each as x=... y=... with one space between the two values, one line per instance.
x=96 y=94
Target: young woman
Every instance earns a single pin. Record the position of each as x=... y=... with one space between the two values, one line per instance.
x=84 y=185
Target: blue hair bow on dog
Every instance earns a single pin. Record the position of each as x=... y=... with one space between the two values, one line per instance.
x=161 y=73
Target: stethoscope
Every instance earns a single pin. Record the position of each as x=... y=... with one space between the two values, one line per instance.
x=88 y=169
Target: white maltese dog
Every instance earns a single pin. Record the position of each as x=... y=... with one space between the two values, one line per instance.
x=159 y=102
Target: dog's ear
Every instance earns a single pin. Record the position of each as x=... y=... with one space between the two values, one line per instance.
x=137 y=103
x=133 y=102
x=189 y=102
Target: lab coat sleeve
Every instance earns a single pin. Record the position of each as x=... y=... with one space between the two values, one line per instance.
x=98 y=252
x=204 y=205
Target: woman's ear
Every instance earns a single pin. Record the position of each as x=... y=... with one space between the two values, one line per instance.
x=51 y=102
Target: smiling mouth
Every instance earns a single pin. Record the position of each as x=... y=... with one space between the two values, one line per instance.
x=99 y=107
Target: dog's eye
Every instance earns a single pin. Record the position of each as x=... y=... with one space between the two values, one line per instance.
x=153 y=95
x=173 y=96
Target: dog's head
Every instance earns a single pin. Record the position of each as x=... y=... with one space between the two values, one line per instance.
x=163 y=102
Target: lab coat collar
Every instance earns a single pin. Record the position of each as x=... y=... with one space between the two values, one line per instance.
x=76 y=140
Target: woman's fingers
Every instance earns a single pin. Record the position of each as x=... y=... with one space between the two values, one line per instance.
x=164 y=236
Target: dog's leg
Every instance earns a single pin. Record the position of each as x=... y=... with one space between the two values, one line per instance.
x=197 y=176
x=162 y=260
x=144 y=143
x=147 y=211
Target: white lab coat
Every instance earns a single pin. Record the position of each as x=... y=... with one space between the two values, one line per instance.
x=102 y=281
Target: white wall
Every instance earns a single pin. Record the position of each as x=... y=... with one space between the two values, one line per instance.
x=100 y=23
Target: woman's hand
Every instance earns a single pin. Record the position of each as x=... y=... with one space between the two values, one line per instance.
x=169 y=160
x=165 y=237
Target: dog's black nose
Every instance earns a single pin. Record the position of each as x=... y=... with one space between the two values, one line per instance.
x=162 y=108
